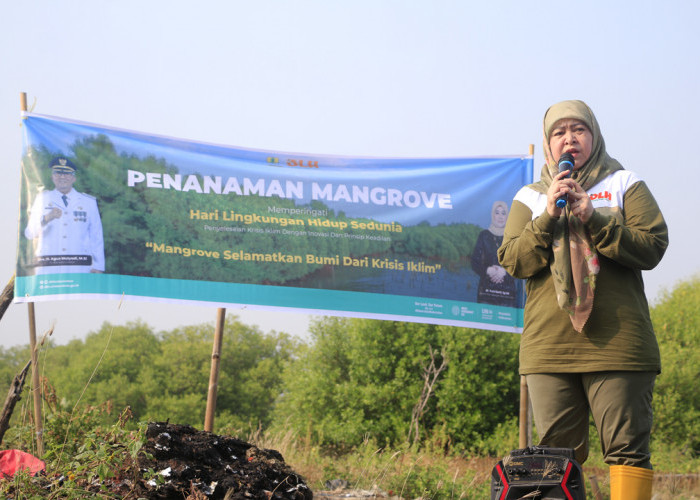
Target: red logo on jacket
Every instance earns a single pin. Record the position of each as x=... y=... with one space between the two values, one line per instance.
x=603 y=195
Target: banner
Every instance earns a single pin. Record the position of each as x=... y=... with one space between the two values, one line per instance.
x=111 y=213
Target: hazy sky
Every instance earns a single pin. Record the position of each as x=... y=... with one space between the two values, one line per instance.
x=407 y=78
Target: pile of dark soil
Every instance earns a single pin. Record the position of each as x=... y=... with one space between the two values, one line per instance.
x=192 y=464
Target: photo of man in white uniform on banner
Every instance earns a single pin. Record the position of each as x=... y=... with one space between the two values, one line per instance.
x=65 y=226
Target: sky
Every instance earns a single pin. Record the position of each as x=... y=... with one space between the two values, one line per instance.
x=388 y=78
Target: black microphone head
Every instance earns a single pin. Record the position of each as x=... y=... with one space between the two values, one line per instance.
x=566 y=162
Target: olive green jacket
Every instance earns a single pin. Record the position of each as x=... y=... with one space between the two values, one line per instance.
x=618 y=334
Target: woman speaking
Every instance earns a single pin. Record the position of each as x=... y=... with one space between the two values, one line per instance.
x=588 y=344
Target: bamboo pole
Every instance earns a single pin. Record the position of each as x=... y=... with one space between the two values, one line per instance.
x=36 y=386
x=525 y=438
x=523 y=441
x=214 y=373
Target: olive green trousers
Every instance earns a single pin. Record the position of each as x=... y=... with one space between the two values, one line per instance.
x=620 y=403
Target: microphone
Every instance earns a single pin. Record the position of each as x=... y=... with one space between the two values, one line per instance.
x=566 y=162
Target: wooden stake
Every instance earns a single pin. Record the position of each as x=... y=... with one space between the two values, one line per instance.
x=523 y=441
x=525 y=423
x=36 y=387
x=214 y=373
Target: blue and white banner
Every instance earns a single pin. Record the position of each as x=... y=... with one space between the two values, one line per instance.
x=111 y=213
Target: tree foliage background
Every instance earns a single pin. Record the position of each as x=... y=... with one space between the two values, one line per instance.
x=363 y=377
x=676 y=396
x=351 y=380
x=162 y=376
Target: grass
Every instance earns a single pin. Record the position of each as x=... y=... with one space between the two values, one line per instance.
x=412 y=473
x=404 y=473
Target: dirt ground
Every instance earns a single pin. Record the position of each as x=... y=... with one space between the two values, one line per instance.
x=194 y=465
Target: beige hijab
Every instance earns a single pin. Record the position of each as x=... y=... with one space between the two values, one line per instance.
x=574 y=264
x=493 y=228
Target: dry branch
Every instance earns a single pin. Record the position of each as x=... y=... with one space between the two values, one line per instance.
x=7 y=295
x=13 y=396
x=430 y=376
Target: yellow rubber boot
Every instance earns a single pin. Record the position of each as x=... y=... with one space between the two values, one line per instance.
x=630 y=483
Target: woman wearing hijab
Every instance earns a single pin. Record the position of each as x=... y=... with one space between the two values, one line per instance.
x=495 y=285
x=588 y=343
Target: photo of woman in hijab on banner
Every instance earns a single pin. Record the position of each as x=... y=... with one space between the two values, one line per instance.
x=496 y=286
